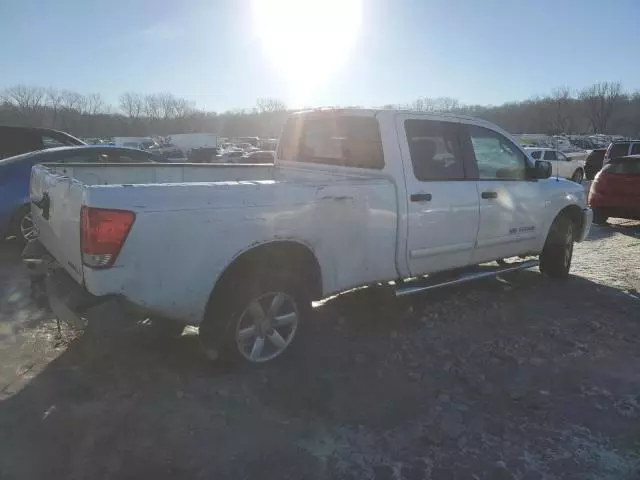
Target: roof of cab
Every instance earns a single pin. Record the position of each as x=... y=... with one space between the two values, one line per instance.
x=392 y=111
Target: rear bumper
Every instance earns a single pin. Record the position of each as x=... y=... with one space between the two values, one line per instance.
x=67 y=299
x=619 y=212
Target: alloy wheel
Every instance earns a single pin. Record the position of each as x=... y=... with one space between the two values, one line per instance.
x=267 y=326
x=28 y=229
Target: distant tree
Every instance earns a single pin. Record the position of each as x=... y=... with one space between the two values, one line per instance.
x=132 y=105
x=28 y=101
x=94 y=104
x=54 y=98
x=440 y=104
x=560 y=110
x=599 y=101
x=268 y=105
x=152 y=107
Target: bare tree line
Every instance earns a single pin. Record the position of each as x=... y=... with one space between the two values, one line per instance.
x=600 y=108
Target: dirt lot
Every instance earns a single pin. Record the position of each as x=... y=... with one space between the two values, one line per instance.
x=513 y=378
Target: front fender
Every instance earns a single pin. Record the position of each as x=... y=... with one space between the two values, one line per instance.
x=563 y=195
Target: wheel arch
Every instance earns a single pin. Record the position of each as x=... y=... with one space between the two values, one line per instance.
x=573 y=212
x=15 y=215
x=272 y=254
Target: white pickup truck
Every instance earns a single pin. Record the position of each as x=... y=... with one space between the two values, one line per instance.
x=356 y=197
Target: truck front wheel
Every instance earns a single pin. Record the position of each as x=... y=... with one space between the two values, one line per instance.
x=555 y=259
x=257 y=317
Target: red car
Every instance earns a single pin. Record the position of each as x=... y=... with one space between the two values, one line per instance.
x=615 y=192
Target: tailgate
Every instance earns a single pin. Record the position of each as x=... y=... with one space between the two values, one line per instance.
x=55 y=206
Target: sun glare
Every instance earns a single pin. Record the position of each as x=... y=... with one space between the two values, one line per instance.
x=307 y=40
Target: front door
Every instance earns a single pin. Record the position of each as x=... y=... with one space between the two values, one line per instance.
x=442 y=208
x=511 y=204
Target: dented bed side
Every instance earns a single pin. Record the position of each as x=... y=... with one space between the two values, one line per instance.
x=186 y=233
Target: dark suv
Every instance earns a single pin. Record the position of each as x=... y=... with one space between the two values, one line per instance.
x=593 y=162
x=622 y=148
x=17 y=140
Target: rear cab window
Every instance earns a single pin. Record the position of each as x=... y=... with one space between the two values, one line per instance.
x=618 y=150
x=624 y=166
x=332 y=139
x=51 y=142
x=535 y=155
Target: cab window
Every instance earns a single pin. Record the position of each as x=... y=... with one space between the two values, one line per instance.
x=435 y=150
x=497 y=157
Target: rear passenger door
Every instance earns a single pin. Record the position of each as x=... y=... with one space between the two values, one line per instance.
x=442 y=203
x=511 y=204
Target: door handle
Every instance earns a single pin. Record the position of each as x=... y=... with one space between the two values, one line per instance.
x=489 y=195
x=420 y=197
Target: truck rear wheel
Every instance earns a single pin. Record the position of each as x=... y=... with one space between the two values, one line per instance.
x=555 y=259
x=257 y=317
x=22 y=226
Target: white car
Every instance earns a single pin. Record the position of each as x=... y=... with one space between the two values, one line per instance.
x=563 y=165
x=355 y=197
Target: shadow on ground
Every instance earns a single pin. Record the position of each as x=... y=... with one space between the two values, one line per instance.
x=519 y=377
x=630 y=228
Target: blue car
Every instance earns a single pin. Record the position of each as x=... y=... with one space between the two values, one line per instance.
x=16 y=140
x=15 y=173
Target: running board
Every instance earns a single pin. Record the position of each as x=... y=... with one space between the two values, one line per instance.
x=408 y=289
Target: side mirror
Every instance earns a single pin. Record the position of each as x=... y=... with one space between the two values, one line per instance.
x=543 y=169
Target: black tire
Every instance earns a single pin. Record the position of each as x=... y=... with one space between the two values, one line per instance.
x=230 y=308
x=555 y=259
x=17 y=222
x=578 y=176
x=599 y=217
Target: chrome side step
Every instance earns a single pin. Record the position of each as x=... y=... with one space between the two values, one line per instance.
x=422 y=286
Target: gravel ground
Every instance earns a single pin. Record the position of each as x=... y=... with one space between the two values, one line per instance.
x=520 y=377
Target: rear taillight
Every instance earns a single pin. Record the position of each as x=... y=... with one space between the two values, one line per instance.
x=102 y=234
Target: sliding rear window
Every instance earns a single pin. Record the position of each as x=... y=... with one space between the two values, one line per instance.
x=348 y=141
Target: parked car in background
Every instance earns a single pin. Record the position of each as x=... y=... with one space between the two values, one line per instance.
x=621 y=148
x=260 y=156
x=187 y=142
x=356 y=197
x=141 y=143
x=593 y=163
x=615 y=191
x=15 y=216
x=563 y=166
x=16 y=140
x=246 y=147
x=203 y=155
x=231 y=156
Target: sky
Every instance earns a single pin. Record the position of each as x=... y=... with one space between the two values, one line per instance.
x=224 y=54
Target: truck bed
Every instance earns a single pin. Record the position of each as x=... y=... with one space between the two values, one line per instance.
x=191 y=221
